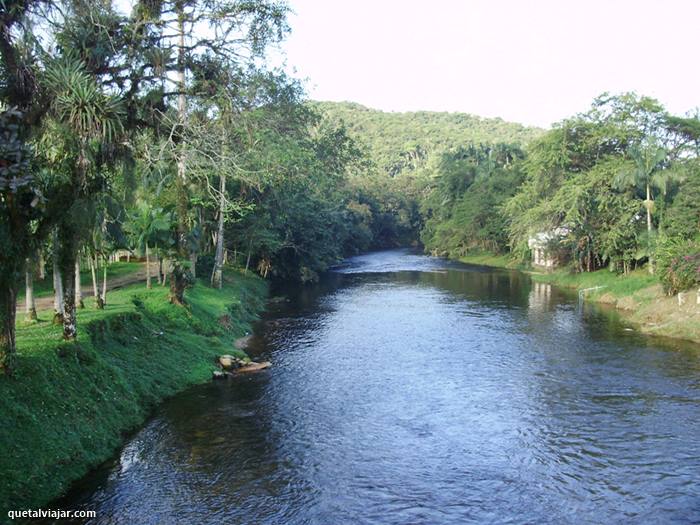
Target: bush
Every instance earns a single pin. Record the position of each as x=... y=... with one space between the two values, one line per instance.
x=678 y=264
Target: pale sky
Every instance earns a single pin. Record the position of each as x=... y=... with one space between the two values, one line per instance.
x=528 y=61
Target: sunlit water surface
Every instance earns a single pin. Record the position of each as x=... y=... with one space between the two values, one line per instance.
x=407 y=389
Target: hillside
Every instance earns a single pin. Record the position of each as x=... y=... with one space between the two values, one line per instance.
x=395 y=140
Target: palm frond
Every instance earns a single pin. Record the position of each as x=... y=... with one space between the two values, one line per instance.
x=80 y=105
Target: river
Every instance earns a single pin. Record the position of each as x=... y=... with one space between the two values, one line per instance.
x=408 y=389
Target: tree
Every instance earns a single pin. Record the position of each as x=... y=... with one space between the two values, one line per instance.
x=21 y=210
x=20 y=207
x=147 y=227
x=87 y=119
x=581 y=176
x=682 y=217
x=649 y=171
x=187 y=33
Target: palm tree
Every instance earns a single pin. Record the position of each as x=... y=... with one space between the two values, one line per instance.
x=649 y=172
x=148 y=227
x=86 y=119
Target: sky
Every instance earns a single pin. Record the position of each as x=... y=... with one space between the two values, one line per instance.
x=529 y=61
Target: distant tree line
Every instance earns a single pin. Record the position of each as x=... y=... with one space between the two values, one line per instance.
x=620 y=183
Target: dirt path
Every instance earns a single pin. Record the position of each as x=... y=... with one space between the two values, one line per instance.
x=46 y=302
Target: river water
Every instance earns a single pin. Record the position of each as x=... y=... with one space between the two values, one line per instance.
x=408 y=389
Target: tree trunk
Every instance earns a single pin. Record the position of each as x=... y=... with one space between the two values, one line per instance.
x=648 y=207
x=193 y=264
x=66 y=248
x=247 y=261
x=182 y=118
x=165 y=272
x=70 y=321
x=30 y=303
x=78 y=290
x=8 y=311
x=58 y=294
x=178 y=283
x=649 y=228
x=217 y=272
x=42 y=265
x=148 y=268
x=159 y=267
x=95 y=290
x=589 y=255
x=104 y=284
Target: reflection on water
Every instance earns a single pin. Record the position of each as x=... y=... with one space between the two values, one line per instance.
x=407 y=389
x=540 y=298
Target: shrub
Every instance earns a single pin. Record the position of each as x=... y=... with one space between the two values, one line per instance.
x=678 y=264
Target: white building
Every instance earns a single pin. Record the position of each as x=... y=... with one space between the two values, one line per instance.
x=543 y=246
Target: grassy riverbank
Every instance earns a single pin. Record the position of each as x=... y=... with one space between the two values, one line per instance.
x=640 y=299
x=600 y=284
x=68 y=406
x=488 y=259
x=638 y=296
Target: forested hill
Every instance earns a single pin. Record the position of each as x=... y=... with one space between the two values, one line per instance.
x=395 y=140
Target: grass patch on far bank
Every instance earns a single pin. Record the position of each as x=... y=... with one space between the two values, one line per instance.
x=68 y=406
x=489 y=259
x=613 y=285
x=638 y=286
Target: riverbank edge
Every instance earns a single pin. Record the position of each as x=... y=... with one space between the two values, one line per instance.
x=638 y=297
x=69 y=407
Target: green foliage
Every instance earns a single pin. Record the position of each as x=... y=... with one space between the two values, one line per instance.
x=307 y=214
x=80 y=104
x=682 y=217
x=148 y=226
x=678 y=263
x=590 y=174
x=401 y=142
x=463 y=201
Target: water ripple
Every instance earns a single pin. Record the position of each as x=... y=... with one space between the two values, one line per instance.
x=413 y=390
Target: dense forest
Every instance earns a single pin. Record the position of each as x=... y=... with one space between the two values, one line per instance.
x=613 y=187
x=397 y=142
x=162 y=134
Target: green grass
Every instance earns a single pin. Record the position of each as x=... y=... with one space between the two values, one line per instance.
x=488 y=259
x=68 y=406
x=44 y=287
x=614 y=284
